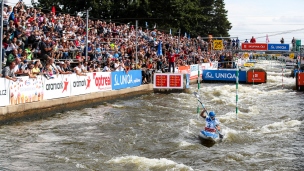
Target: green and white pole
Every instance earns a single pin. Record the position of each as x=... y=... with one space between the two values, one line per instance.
x=198 y=87
x=237 y=87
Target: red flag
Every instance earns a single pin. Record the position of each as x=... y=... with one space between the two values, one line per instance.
x=53 y=10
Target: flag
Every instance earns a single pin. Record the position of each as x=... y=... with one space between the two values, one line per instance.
x=154 y=26
x=53 y=10
x=185 y=35
x=146 y=24
x=267 y=39
x=54 y=13
x=189 y=36
x=159 y=49
x=170 y=32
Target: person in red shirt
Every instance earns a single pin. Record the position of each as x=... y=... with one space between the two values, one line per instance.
x=252 y=40
x=172 y=57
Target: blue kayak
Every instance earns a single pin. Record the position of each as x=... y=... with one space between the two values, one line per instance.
x=205 y=135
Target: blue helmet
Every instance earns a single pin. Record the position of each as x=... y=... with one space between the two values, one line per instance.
x=212 y=114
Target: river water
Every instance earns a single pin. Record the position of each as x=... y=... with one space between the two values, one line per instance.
x=158 y=132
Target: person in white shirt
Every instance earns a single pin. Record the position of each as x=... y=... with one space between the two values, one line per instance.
x=79 y=70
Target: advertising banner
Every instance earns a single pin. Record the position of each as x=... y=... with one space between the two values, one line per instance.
x=223 y=75
x=301 y=79
x=26 y=90
x=80 y=84
x=256 y=76
x=4 y=92
x=101 y=81
x=254 y=46
x=169 y=81
x=57 y=87
x=122 y=79
x=278 y=47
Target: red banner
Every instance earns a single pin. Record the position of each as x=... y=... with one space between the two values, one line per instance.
x=254 y=46
x=169 y=81
x=301 y=79
x=256 y=77
x=161 y=80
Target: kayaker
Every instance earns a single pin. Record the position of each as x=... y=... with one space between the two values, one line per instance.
x=212 y=123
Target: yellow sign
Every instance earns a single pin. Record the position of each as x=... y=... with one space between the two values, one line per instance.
x=218 y=45
x=291 y=55
x=248 y=64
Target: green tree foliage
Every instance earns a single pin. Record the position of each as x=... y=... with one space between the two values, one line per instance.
x=197 y=17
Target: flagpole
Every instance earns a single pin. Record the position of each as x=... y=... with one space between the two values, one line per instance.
x=178 y=41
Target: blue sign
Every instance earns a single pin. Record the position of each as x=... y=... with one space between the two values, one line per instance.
x=122 y=79
x=223 y=75
x=278 y=47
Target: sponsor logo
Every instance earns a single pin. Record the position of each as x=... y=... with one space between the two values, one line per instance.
x=88 y=82
x=101 y=81
x=220 y=75
x=2 y=92
x=58 y=86
x=79 y=83
x=123 y=79
x=209 y=75
x=54 y=86
x=66 y=83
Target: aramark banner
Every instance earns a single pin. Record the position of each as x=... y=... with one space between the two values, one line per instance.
x=223 y=75
x=122 y=79
x=80 y=84
x=4 y=92
x=58 y=87
x=26 y=90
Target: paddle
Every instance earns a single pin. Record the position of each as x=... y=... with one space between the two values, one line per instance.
x=199 y=99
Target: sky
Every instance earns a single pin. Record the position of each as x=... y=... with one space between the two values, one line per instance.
x=258 y=18
x=277 y=18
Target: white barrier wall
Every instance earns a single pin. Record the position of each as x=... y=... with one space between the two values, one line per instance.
x=92 y=82
x=58 y=87
x=101 y=81
x=4 y=92
x=26 y=90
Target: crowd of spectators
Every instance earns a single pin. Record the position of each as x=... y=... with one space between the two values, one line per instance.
x=53 y=43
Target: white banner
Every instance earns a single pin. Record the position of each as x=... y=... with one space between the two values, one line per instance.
x=81 y=84
x=57 y=87
x=101 y=81
x=4 y=92
x=26 y=90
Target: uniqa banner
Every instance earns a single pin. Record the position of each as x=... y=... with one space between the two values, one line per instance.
x=26 y=90
x=122 y=79
x=223 y=75
x=59 y=86
x=4 y=92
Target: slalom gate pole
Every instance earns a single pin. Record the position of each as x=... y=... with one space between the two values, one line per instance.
x=282 y=77
x=237 y=87
x=198 y=87
x=253 y=76
x=299 y=79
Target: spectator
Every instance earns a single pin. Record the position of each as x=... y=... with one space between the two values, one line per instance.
x=8 y=71
x=252 y=40
x=79 y=70
x=282 y=40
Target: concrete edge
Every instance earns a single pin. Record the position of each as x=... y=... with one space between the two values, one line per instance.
x=42 y=109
